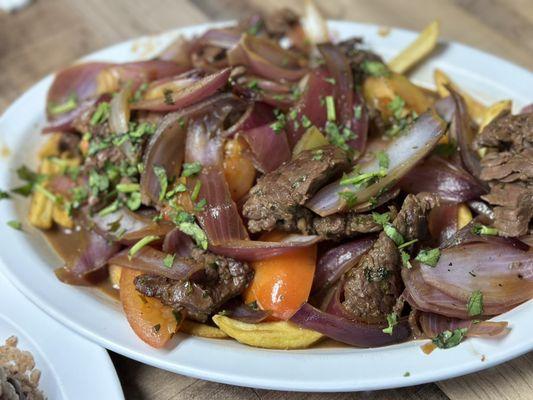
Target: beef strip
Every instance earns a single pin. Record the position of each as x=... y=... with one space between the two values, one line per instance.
x=224 y=279
x=372 y=287
x=278 y=197
x=508 y=169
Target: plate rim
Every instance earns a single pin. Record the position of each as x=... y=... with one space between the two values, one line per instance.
x=223 y=377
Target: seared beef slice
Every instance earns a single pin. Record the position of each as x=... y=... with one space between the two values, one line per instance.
x=372 y=287
x=278 y=197
x=224 y=279
x=508 y=168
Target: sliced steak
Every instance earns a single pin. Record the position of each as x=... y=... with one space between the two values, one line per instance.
x=373 y=286
x=278 y=197
x=224 y=279
x=508 y=169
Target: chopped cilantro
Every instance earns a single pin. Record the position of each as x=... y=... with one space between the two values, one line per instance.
x=330 y=80
x=383 y=159
x=15 y=225
x=191 y=169
x=381 y=219
x=168 y=261
x=448 y=339
x=349 y=197
x=391 y=231
x=429 y=257
x=278 y=125
x=163 y=180
x=68 y=105
x=480 y=229
x=101 y=114
x=193 y=230
x=200 y=206
x=253 y=84
x=139 y=93
x=140 y=244
x=375 y=68
x=330 y=108
x=110 y=209
x=365 y=179
x=318 y=155
x=397 y=107
x=407 y=244
x=196 y=190
x=134 y=201
x=144 y=128
x=337 y=138
x=406 y=259
x=446 y=149
x=98 y=183
x=392 y=321
x=475 y=303
x=306 y=122
x=358 y=111
x=128 y=187
x=407 y=374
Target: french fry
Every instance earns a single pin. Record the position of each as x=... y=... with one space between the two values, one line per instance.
x=417 y=50
x=51 y=147
x=280 y=335
x=41 y=207
x=494 y=110
x=60 y=214
x=475 y=108
x=202 y=330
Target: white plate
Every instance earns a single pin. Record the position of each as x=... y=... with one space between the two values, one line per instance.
x=71 y=367
x=28 y=261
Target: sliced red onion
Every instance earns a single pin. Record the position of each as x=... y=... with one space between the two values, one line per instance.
x=224 y=38
x=178 y=52
x=465 y=236
x=177 y=242
x=236 y=309
x=437 y=175
x=137 y=72
x=316 y=86
x=445 y=108
x=482 y=208
x=384 y=198
x=442 y=221
x=196 y=92
x=166 y=150
x=434 y=324
x=156 y=89
x=255 y=250
x=349 y=332
x=403 y=152
x=461 y=131
x=502 y=273
x=336 y=261
x=88 y=268
x=127 y=227
x=269 y=148
x=151 y=261
x=266 y=58
x=220 y=219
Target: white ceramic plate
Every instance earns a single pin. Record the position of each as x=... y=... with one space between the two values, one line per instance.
x=29 y=262
x=71 y=367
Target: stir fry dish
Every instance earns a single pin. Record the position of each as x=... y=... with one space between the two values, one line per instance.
x=266 y=182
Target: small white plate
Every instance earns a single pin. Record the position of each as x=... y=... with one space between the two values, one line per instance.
x=71 y=367
x=29 y=262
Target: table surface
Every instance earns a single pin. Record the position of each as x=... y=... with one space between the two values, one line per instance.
x=51 y=33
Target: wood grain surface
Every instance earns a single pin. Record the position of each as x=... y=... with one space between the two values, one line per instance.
x=51 y=33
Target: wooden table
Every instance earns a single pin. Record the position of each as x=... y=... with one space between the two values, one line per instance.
x=53 y=33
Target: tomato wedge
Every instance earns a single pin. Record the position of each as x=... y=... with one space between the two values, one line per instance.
x=151 y=320
x=282 y=284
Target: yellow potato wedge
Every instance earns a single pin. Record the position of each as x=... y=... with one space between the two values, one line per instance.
x=417 y=50
x=51 y=147
x=464 y=216
x=494 y=110
x=475 y=108
x=61 y=216
x=202 y=330
x=280 y=335
x=41 y=206
x=311 y=139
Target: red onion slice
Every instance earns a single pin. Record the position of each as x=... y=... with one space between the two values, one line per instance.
x=255 y=250
x=269 y=149
x=236 y=309
x=403 y=151
x=334 y=262
x=177 y=242
x=151 y=261
x=349 y=332
x=442 y=221
x=437 y=175
x=434 y=324
x=196 y=92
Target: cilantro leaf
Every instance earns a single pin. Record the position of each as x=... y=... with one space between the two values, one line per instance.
x=15 y=225
x=392 y=320
x=168 y=261
x=349 y=197
x=375 y=68
x=449 y=339
x=191 y=169
x=140 y=244
x=480 y=229
x=429 y=257
x=381 y=219
x=475 y=303
x=391 y=231
x=101 y=114
x=163 y=181
x=383 y=159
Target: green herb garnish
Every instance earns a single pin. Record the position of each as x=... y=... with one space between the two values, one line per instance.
x=392 y=320
x=350 y=198
x=429 y=257
x=4 y=195
x=383 y=159
x=191 y=169
x=68 y=105
x=15 y=225
x=480 y=229
x=163 y=181
x=330 y=108
x=101 y=114
x=141 y=243
x=475 y=303
x=375 y=68
x=168 y=261
x=448 y=339
x=169 y=99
